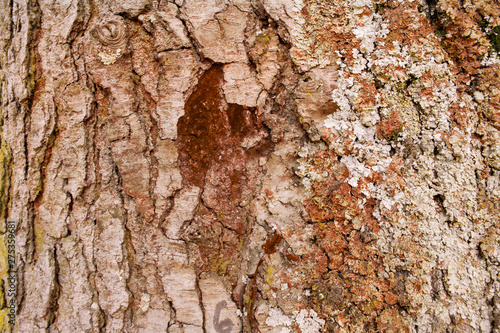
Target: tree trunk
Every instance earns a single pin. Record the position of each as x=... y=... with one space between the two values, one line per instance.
x=250 y=166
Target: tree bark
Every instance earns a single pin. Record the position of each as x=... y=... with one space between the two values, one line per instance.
x=250 y=166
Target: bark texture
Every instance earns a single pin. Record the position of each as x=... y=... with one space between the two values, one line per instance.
x=251 y=165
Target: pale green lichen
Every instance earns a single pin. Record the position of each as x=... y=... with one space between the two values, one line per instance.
x=407 y=111
x=494 y=38
x=4 y=321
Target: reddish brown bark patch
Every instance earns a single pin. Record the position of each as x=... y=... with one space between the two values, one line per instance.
x=202 y=127
x=242 y=120
x=212 y=130
x=389 y=129
x=353 y=289
x=219 y=145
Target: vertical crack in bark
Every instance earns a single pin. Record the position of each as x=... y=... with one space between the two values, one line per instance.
x=129 y=257
x=152 y=133
x=55 y=295
x=34 y=73
x=200 y=298
x=192 y=40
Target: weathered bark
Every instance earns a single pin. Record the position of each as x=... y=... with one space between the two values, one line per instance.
x=250 y=165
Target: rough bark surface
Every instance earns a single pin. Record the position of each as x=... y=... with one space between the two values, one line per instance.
x=251 y=165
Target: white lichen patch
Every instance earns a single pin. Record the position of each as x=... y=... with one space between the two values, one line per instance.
x=357 y=169
x=307 y=320
x=397 y=56
x=305 y=170
x=491 y=59
x=276 y=317
x=109 y=57
x=370 y=31
x=144 y=303
x=446 y=239
x=147 y=17
x=343 y=95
